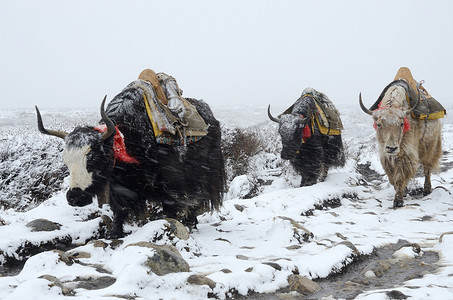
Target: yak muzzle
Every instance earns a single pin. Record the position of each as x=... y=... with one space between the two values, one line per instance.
x=78 y=197
x=391 y=150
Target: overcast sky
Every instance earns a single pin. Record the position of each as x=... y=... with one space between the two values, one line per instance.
x=57 y=53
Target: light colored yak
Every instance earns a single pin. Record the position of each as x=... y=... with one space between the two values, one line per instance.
x=404 y=141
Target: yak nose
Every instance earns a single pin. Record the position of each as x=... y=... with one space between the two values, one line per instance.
x=391 y=150
x=78 y=197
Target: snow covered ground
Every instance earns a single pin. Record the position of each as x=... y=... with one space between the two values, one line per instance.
x=250 y=245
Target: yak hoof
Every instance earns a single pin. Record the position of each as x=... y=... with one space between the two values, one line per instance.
x=116 y=232
x=307 y=182
x=398 y=203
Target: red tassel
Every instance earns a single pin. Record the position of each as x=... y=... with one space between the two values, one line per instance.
x=119 y=147
x=306 y=132
x=407 y=125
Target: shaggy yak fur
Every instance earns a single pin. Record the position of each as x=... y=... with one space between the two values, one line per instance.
x=404 y=141
x=310 y=152
x=183 y=180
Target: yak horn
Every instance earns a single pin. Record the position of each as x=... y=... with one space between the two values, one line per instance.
x=366 y=110
x=270 y=115
x=60 y=134
x=110 y=125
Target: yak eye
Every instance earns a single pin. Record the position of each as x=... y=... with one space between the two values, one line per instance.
x=402 y=124
x=378 y=124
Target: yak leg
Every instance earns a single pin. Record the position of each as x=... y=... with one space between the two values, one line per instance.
x=117 y=227
x=310 y=173
x=427 y=185
x=398 y=200
x=324 y=172
x=120 y=199
x=399 y=181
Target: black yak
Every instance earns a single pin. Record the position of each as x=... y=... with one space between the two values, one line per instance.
x=121 y=161
x=311 y=146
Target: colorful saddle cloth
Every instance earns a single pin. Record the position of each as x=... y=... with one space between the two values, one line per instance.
x=427 y=107
x=168 y=128
x=326 y=116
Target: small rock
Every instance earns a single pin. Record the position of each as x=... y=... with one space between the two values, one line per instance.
x=405 y=253
x=223 y=240
x=54 y=281
x=239 y=207
x=226 y=271
x=165 y=260
x=294 y=247
x=350 y=246
x=289 y=296
x=359 y=281
x=62 y=256
x=78 y=254
x=370 y=274
x=240 y=187
x=396 y=295
x=98 y=244
x=94 y=282
x=340 y=236
x=116 y=243
x=301 y=234
x=247 y=247
x=302 y=284
x=177 y=229
x=201 y=280
x=43 y=225
x=248 y=270
x=273 y=265
x=242 y=257
x=380 y=267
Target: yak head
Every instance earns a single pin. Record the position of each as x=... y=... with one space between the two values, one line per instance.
x=391 y=119
x=89 y=156
x=294 y=130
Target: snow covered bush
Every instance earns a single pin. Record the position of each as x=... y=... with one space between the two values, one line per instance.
x=31 y=169
x=252 y=156
x=238 y=146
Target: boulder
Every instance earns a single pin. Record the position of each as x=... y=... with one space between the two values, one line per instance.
x=166 y=259
x=201 y=280
x=43 y=225
x=302 y=284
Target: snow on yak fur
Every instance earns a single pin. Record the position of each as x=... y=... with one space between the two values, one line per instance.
x=310 y=152
x=184 y=180
x=404 y=141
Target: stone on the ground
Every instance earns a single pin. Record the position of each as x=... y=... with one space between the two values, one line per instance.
x=302 y=284
x=43 y=225
x=201 y=280
x=166 y=259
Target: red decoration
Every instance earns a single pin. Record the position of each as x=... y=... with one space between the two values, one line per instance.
x=119 y=147
x=306 y=132
x=407 y=125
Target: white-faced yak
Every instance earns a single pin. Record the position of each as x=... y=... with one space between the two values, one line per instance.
x=407 y=134
x=121 y=161
x=311 y=136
